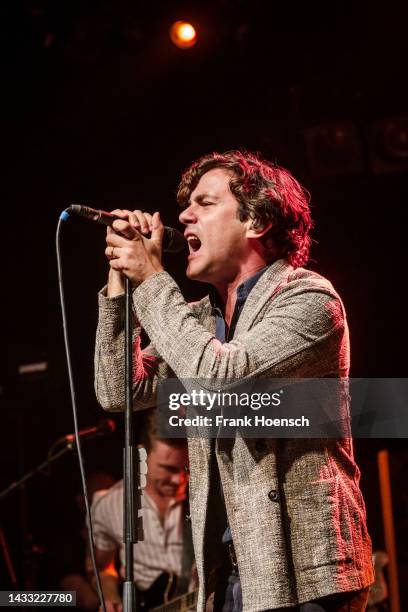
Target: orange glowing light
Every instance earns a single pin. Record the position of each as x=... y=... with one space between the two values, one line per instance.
x=183 y=34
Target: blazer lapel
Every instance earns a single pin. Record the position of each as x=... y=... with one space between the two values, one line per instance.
x=269 y=282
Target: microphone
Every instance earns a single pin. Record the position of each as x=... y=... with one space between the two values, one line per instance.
x=104 y=427
x=173 y=240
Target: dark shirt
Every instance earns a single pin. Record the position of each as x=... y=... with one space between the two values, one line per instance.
x=222 y=331
x=225 y=334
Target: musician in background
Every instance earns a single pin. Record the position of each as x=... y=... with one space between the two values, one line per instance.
x=166 y=547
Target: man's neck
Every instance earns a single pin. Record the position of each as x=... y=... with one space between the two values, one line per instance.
x=162 y=502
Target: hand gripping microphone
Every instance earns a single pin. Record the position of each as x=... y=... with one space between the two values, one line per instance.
x=173 y=240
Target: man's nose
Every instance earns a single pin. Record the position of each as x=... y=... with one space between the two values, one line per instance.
x=178 y=479
x=187 y=216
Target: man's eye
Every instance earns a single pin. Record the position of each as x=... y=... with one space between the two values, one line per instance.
x=172 y=470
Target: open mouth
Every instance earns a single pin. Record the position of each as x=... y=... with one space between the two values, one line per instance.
x=194 y=244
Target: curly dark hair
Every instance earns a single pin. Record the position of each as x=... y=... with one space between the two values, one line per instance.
x=266 y=193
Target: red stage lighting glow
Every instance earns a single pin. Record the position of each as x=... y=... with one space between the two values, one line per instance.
x=183 y=34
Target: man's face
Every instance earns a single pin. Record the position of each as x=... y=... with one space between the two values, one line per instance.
x=166 y=469
x=217 y=239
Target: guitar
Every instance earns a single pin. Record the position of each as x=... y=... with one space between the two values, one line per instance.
x=183 y=603
x=160 y=597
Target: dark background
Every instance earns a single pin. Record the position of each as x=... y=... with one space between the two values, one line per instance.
x=99 y=107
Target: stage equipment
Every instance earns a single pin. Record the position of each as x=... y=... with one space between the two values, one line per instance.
x=388 y=523
x=389 y=145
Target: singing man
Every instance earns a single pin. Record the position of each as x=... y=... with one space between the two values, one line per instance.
x=277 y=523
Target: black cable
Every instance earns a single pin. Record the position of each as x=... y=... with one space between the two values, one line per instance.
x=64 y=217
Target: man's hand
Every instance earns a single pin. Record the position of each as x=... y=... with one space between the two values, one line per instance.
x=110 y=588
x=129 y=252
x=105 y=562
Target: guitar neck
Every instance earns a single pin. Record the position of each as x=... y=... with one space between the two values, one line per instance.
x=179 y=604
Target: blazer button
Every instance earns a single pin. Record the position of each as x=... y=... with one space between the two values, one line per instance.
x=273 y=495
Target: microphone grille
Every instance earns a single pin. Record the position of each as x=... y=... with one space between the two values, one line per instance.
x=174 y=241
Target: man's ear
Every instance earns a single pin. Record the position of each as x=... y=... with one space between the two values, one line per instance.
x=255 y=232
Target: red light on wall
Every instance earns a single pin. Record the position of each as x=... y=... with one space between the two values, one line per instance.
x=183 y=34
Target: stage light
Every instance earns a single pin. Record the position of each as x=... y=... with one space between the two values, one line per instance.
x=183 y=34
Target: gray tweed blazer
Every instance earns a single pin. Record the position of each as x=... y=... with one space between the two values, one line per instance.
x=294 y=506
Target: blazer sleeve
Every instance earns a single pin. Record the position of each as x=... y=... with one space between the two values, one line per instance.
x=149 y=367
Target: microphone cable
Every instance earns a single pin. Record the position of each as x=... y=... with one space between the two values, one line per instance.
x=63 y=217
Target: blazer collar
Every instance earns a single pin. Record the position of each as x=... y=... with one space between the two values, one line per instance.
x=266 y=286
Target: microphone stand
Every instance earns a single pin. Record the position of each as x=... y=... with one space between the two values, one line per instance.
x=132 y=494
x=40 y=468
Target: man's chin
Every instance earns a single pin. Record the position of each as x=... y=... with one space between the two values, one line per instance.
x=196 y=272
x=193 y=272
